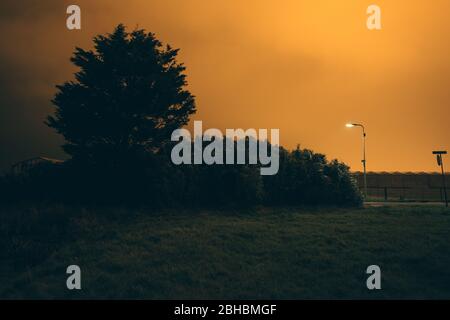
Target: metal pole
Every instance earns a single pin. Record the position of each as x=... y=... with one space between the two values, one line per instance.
x=364 y=162
x=443 y=182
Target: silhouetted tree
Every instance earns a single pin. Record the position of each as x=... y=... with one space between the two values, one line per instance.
x=128 y=97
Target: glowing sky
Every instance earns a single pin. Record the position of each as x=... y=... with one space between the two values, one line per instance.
x=304 y=66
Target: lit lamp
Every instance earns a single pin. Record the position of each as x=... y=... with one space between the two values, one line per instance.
x=351 y=125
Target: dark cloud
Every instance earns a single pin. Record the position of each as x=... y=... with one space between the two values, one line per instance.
x=34 y=57
x=29 y=9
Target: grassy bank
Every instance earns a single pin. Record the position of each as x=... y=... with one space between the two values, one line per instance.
x=275 y=253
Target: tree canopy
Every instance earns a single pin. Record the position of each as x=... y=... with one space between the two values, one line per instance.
x=128 y=95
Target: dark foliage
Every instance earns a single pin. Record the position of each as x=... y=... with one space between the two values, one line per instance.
x=117 y=119
x=128 y=97
x=306 y=177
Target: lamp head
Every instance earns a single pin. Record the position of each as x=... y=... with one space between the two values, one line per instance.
x=349 y=125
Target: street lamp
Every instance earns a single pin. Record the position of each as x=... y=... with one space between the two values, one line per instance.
x=351 y=125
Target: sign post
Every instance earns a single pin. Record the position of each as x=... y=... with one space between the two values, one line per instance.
x=440 y=163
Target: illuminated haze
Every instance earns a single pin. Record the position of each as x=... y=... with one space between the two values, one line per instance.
x=305 y=67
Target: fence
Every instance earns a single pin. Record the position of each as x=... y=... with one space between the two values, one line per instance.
x=407 y=186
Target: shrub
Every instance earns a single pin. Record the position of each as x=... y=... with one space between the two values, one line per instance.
x=306 y=177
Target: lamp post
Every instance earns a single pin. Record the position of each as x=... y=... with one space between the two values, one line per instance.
x=441 y=164
x=351 y=125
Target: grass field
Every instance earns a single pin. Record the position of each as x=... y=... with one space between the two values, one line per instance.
x=265 y=253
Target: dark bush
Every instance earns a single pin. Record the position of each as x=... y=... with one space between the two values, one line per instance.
x=225 y=185
x=306 y=177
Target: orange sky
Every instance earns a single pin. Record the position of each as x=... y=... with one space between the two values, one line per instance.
x=304 y=66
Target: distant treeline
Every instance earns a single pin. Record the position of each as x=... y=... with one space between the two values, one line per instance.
x=304 y=178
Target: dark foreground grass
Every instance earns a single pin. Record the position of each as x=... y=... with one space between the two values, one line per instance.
x=266 y=253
